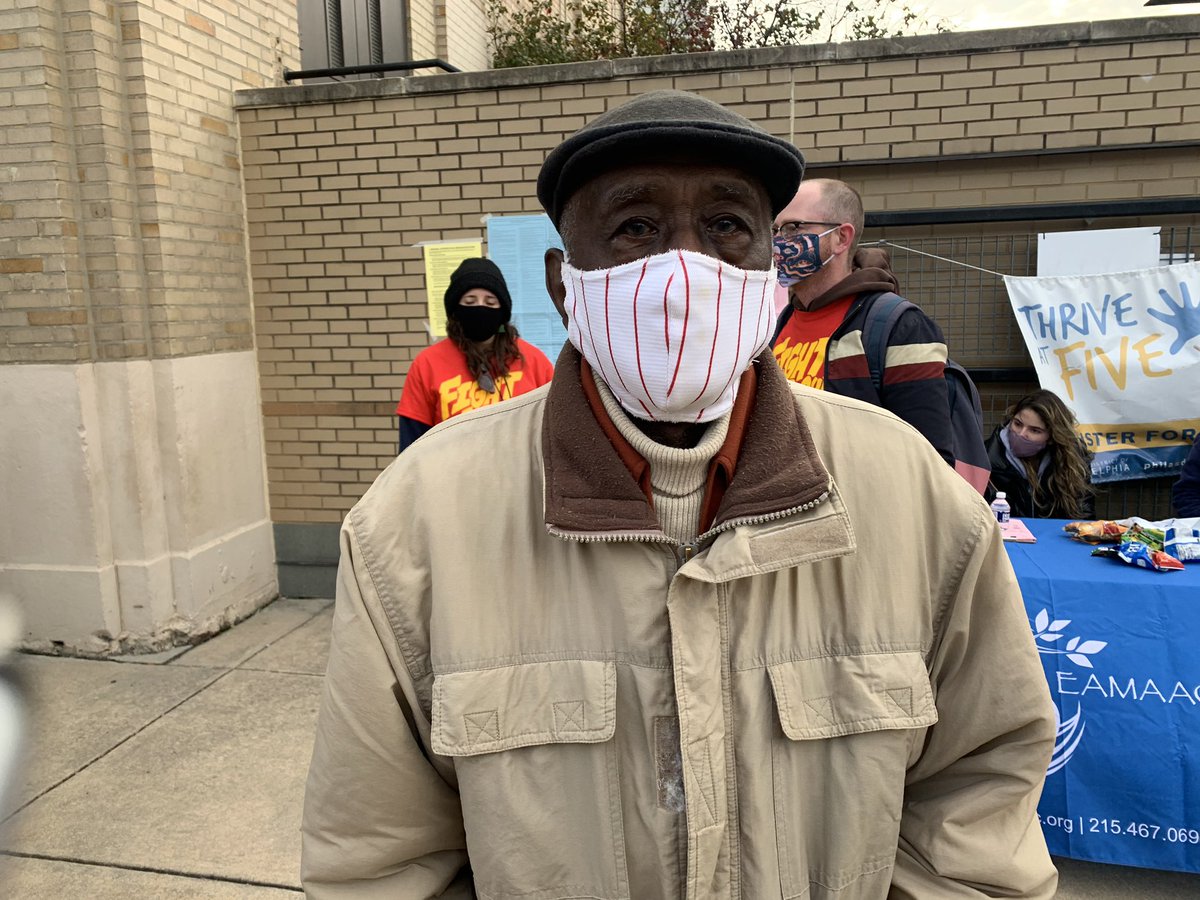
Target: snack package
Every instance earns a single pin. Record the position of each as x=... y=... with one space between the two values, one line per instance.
x=1183 y=543
x=1138 y=554
x=1103 y=531
x=1145 y=534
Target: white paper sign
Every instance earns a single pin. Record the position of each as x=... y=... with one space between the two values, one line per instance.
x=1097 y=252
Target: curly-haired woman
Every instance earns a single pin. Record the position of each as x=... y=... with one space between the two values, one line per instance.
x=1039 y=461
x=481 y=361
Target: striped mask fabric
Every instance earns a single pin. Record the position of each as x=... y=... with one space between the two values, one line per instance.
x=670 y=334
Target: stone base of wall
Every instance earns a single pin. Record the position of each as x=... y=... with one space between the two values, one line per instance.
x=308 y=558
x=135 y=504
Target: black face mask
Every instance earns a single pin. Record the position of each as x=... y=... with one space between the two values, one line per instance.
x=480 y=322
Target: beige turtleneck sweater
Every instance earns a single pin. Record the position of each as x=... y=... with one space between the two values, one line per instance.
x=677 y=476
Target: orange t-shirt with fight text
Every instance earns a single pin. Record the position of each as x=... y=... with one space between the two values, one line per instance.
x=800 y=347
x=439 y=385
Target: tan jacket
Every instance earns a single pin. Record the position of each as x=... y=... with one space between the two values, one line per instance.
x=834 y=695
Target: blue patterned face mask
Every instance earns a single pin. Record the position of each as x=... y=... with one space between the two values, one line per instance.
x=799 y=257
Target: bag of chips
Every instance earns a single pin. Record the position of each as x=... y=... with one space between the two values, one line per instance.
x=1145 y=534
x=1183 y=543
x=1100 y=532
x=1138 y=554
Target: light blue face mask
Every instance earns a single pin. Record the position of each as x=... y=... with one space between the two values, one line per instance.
x=799 y=257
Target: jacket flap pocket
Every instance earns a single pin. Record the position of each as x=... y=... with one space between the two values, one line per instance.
x=570 y=701
x=839 y=695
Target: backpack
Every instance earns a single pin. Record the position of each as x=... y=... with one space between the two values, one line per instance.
x=966 y=412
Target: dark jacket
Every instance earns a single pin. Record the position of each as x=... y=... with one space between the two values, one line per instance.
x=1008 y=478
x=1186 y=494
x=914 y=384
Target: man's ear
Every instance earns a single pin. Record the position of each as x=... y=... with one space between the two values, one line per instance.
x=554 y=283
x=847 y=236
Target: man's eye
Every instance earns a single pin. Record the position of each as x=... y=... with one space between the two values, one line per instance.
x=635 y=228
x=727 y=225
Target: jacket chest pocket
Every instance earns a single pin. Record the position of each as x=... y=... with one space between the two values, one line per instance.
x=848 y=725
x=537 y=772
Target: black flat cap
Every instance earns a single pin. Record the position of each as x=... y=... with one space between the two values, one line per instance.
x=668 y=122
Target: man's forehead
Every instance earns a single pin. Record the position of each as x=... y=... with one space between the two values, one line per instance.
x=651 y=181
x=805 y=205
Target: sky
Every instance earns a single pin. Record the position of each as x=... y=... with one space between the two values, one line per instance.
x=1016 y=13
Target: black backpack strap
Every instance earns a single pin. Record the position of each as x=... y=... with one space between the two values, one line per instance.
x=784 y=315
x=884 y=310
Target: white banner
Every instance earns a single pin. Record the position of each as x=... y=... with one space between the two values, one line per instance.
x=1123 y=352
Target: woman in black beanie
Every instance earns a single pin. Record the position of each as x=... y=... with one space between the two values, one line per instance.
x=481 y=361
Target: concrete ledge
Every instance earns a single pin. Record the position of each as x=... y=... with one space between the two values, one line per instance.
x=307 y=555
x=308 y=544
x=924 y=45
x=307 y=581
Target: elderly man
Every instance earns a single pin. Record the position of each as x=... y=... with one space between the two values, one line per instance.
x=820 y=340
x=682 y=633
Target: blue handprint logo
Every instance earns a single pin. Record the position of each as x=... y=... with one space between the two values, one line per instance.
x=1183 y=317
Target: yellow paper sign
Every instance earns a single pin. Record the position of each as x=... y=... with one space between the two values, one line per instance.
x=441 y=259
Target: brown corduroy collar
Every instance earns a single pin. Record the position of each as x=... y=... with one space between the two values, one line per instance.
x=596 y=483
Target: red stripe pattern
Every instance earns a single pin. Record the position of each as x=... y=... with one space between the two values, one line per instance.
x=681 y=361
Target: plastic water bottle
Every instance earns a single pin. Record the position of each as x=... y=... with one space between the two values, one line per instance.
x=1000 y=507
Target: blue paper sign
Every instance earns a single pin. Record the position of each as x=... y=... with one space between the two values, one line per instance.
x=518 y=244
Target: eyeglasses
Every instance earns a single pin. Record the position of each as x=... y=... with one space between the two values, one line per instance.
x=789 y=230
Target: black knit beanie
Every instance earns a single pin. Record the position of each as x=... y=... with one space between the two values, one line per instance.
x=477 y=273
x=665 y=121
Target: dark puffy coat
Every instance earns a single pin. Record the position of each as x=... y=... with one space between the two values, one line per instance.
x=914 y=389
x=1186 y=493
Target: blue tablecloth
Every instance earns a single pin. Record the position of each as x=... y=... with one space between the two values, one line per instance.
x=1119 y=647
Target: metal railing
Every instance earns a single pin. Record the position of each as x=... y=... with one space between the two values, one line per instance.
x=290 y=75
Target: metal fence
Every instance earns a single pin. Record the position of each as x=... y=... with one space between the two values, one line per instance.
x=941 y=268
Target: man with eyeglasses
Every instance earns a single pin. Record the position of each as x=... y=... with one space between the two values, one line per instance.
x=819 y=339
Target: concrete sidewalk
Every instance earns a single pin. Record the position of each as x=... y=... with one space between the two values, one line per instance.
x=171 y=776
x=181 y=775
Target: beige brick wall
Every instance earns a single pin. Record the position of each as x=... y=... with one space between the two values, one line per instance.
x=187 y=59
x=1141 y=173
x=464 y=24
x=340 y=191
x=42 y=309
x=451 y=30
x=423 y=28
x=122 y=234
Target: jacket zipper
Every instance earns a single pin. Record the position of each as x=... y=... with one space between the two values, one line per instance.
x=683 y=551
x=590 y=537
x=768 y=517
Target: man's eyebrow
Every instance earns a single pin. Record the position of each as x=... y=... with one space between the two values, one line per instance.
x=627 y=193
x=732 y=190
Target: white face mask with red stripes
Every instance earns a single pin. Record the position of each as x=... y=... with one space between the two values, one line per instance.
x=670 y=334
